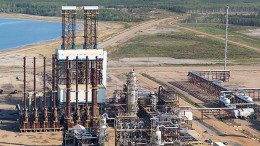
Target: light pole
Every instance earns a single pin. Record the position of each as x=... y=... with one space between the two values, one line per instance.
x=226 y=38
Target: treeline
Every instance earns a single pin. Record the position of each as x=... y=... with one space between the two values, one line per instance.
x=246 y=20
x=112 y=8
x=251 y=10
x=117 y=15
x=54 y=9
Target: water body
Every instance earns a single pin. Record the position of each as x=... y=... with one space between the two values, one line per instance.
x=16 y=33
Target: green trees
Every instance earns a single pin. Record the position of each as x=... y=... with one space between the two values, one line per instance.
x=246 y=20
x=111 y=10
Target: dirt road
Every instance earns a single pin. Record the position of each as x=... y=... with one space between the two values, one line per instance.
x=173 y=23
x=130 y=33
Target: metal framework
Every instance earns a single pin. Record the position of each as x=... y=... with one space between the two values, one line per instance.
x=68 y=27
x=90 y=27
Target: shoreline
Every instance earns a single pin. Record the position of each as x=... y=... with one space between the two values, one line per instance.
x=27 y=47
x=29 y=17
x=21 y=49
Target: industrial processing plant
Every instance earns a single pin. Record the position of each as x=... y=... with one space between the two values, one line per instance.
x=71 y=97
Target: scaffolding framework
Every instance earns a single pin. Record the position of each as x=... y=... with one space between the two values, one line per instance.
x=68 y=27
x=90 y=30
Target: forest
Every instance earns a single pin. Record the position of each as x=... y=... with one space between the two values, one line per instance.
x=111 y=10
x=245 y=20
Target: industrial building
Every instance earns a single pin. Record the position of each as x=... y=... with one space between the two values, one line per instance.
x=73 y=99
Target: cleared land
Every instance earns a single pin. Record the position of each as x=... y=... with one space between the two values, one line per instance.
x=11 y=67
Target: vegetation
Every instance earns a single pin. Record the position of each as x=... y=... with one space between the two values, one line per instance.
x=123 y=9
x=181 y=46
x=246 y=20
x=235 y=32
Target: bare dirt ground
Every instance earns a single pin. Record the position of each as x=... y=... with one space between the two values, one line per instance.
x=11 y=67
x=246 y=76
x=11 y=77
x=254 y=32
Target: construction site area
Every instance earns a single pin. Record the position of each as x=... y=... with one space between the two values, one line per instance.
x=78 y=97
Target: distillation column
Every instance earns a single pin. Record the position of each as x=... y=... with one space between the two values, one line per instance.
x=131 y=93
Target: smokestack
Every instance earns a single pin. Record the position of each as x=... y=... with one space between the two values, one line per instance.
x=94 y=93
x=68 y=86
x=44 y=83
x=45 y=114
x=34 y=91
x=54 y=81
x=77 y=89
x=24 y=83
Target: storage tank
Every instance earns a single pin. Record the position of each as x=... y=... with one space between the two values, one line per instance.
x=184 y=130
x=102 y=131
x=248 y=99
x=218 y=144
x=188 y=114
x=157 y=137
x=244 y=112
x=244 y=97
x=224 y=100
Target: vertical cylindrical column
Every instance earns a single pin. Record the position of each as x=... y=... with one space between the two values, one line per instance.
x=226 y=39
x=73 y=29
x=44 y=82
x=95 y=32
x=25 y=114
x=24 y=83
x=68 y=86
x=63 y=30
x=34 y=90
x=94 y=94
x=53 y=81
x=45 y=109
x=86 y=92
x=77 y=88
x=85 y=31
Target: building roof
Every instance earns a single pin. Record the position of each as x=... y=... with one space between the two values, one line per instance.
x=68 y=8
x=91 y=53
x=90 y=7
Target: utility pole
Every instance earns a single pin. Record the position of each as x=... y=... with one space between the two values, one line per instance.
x=226 y=38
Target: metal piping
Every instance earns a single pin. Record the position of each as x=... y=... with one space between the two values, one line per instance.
x=77 y=87
x=45 y=114
x=68 y=86
x=94 y=94
x=44 y=83
x=24 y=83
x=53 y=81
x=34 y=88
x=86 y=92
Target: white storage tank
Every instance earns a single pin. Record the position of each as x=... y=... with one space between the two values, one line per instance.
x=244 y=112
x=224 y=100
x=244 y=97
x=102 y=130
x=188 y=114
x=157 y=137
x=218 y=144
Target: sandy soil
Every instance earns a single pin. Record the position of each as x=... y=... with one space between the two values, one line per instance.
x=254 y=32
